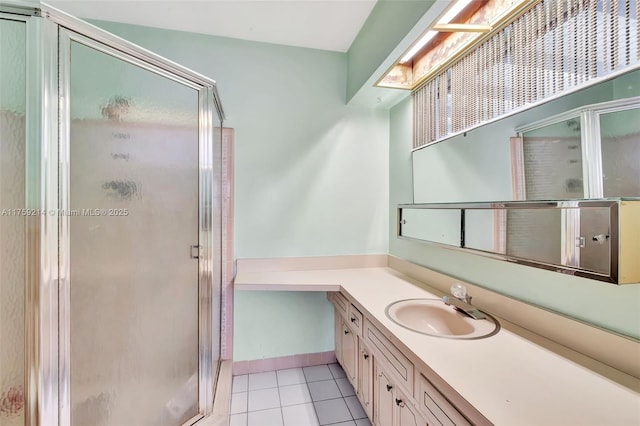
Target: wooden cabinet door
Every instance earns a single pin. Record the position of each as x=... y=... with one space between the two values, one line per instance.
x=365 y=379
x=350 y=354
x=435 y=407
x=383 y=399
x=338 y=338
x=406 y=414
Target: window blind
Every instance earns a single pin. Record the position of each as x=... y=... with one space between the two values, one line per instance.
x=555 y=46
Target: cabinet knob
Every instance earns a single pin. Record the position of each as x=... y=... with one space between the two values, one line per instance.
x=399 y=403
x=389 y=387
x=353 y=319
x=346 y=332
x=365 y=356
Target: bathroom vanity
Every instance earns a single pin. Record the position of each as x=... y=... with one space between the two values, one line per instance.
x=389 y=386
x=403 y=377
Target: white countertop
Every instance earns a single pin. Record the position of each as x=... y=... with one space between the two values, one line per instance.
x=509 y=379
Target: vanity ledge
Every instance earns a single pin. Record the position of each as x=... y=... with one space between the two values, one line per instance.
x=507 y=377
x=300 y=274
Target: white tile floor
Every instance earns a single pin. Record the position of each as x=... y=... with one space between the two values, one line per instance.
x=309 y=396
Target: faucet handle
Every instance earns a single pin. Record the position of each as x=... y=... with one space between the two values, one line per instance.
x=459 y=291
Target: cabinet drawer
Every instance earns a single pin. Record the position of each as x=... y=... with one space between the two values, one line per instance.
x=339 y=301
x=436 y=407
x=395 y=362
x=354 y=319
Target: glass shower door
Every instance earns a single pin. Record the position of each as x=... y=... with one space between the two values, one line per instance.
x=133 y=224
x=12 y=220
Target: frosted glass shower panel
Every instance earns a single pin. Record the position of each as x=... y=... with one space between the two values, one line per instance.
x=12 y=220
x=133 y=219
x=620 y=138
x=553 y=162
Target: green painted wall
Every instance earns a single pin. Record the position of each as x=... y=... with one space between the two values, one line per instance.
x=386 y=26
x=311 y=172
x=608 y=306
x=318 y=177
x=275 y=317
x=627 y=85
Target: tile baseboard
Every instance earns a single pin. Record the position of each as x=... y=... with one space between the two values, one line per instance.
x=281 y=363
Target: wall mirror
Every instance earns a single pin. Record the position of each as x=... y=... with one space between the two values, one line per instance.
x=580 y=145
x=589 y=152
x=416 y=223
x=582 y=238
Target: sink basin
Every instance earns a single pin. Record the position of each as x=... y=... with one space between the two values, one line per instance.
x=434 y=318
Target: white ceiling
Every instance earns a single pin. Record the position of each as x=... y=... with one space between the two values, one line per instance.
x=318 y=24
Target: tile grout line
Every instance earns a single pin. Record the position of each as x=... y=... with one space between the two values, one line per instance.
x=313 y=402
x=275 y=372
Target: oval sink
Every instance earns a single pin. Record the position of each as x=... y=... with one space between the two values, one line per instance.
x=434 y=318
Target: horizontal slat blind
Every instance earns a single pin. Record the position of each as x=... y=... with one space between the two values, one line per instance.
x=555 y=46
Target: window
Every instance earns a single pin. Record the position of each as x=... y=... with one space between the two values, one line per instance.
x=552 y=48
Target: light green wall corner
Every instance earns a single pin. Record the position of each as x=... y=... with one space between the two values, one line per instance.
x=400 y=170
x=626 y=85
x=388 y=23
x=311 y=172
x=270 y=328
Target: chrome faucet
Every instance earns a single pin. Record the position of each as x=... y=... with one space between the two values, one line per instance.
x=462 y=302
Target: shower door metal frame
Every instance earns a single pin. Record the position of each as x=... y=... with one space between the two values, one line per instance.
x=41 y=195
x=49 y=36
x=206 y=234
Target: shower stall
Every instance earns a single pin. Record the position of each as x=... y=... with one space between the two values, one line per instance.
x=110 y=228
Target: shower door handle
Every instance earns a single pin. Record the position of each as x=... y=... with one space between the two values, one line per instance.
x=195 y=252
